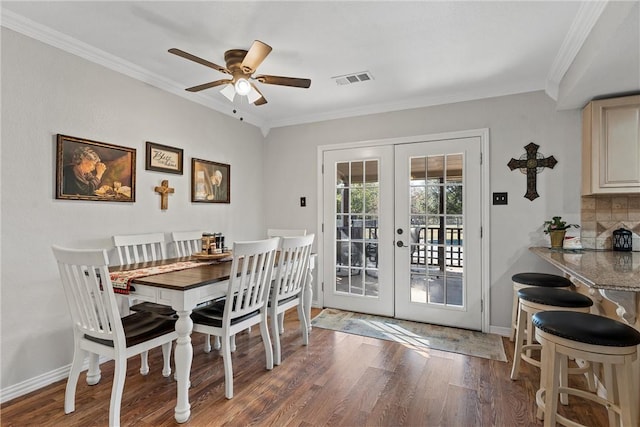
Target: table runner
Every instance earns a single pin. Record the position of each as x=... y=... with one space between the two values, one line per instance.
x=121 y=280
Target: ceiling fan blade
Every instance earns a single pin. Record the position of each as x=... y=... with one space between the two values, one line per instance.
x=208 y=85
x=260 y=101
x=284 y=81
x=194 y=58
x=254 y=57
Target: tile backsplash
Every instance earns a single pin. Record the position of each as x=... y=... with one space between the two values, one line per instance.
x=601 y=215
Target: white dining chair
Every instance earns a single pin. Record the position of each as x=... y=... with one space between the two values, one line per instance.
x=134 y=248
x=186 y=242
x=98 y=328
x=245 y=304
x=286 y=290
x=285 y=232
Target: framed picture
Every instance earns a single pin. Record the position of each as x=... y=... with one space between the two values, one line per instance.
x=162 y=158
x=92 y=170
x=210 y=182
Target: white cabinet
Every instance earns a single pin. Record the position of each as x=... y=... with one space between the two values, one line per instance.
x=611 y=146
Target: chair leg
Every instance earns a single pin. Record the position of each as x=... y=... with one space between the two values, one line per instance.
x=93 y=374
x=624 y=375
x=207 y=343
x=564 y=378
x=514 y=315
x=281 y=322
x=303 y=325
x=264 y=331
x=275 y=328
x=119 y=375
x=612 y=391
x=72 y=381
x=552 y=379
x=166 y=357
x=216 y=343
x=144 y=362
x=519 y=337
x=228 y=368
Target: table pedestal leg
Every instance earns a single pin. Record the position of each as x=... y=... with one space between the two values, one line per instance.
x=184 y=357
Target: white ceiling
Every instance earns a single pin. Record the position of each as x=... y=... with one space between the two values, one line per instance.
x=419 y=53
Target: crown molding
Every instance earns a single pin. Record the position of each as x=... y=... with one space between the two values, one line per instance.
x=583 y=23
x=76 y=47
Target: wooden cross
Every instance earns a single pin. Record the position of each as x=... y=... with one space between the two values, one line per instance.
x=164 y=191
x=532 y=164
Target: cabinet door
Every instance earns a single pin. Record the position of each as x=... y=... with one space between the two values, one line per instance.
x=615 y=150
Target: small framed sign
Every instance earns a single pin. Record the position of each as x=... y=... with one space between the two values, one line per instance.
x=162 y=158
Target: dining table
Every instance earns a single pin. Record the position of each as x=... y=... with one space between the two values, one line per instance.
x=196 y=281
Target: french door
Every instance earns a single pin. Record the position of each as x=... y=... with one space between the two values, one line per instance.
x=402 y=231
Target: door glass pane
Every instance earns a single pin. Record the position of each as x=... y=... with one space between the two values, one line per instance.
x=357 y=233
x=437 y=239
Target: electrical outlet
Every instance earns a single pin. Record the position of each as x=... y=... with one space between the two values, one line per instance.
x=303 y=202
x=500 y=198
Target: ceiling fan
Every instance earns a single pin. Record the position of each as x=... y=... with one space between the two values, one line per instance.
x=241 y=65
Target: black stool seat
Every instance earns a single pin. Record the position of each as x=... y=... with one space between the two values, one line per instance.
x=587 y=328
x=541 y=279
x=555 y=297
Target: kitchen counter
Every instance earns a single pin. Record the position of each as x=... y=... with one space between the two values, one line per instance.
x=612 y=270
x=609 y=274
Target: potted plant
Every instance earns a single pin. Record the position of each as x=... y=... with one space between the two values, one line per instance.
x=556 y=229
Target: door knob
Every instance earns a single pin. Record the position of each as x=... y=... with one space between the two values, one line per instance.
x=400 y=244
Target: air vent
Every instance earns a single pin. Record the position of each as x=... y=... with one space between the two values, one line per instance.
x=348 y=79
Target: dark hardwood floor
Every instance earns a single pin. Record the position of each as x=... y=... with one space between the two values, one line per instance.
x=338 y=380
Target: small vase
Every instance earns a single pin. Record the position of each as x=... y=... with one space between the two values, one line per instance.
x=557 y=238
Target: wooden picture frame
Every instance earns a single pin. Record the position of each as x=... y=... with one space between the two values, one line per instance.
x=92 y=170
x=210 y=182
x=162 y=158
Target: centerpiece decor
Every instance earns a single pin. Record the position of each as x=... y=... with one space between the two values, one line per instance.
x=556 y=228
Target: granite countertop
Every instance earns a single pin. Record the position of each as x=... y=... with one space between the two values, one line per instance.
x=597 y=269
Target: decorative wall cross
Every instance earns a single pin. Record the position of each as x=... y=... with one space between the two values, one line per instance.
x=532 y=164
x=164 y=191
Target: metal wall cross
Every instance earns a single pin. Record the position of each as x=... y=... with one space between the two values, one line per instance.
x=532 y=164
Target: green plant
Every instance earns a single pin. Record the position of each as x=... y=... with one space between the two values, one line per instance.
x=557 y=224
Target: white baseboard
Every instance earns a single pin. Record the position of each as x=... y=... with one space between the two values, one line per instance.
x=43 y=380
x=500 y=330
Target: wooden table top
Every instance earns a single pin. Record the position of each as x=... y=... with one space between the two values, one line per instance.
x=181 y=279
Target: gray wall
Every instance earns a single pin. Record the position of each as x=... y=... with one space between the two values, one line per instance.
x=513 y=122
x=46 y=91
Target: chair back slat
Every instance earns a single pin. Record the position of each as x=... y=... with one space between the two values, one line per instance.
x=134 y=248
x=89 y=293
x=291 y=271
x=250 y=278
x=186 y=242
x=285 y=232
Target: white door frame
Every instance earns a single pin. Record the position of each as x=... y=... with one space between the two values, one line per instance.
x=483 y=134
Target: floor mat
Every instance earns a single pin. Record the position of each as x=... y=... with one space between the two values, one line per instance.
x=419 y=335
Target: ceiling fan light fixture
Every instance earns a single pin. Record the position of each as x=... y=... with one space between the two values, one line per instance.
x=229 y=92
x=242 y=86
x=253 y=95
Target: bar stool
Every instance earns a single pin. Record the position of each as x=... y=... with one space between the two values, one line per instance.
x=525 y=280
x=533 y=300
x=592 y=338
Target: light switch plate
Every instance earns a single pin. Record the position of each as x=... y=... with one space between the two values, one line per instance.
x=500 y=198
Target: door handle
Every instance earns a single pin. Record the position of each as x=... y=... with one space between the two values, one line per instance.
x=400 y=244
